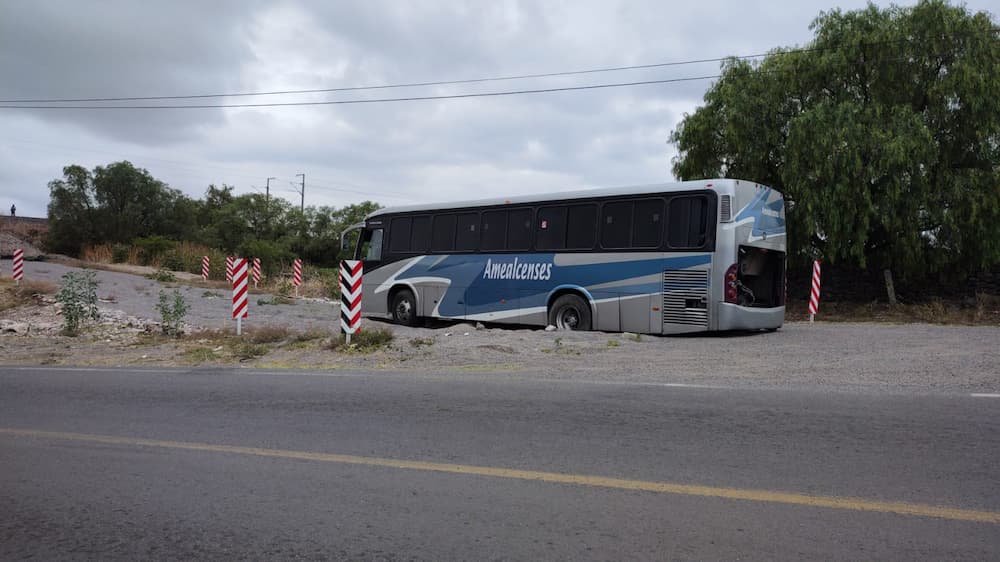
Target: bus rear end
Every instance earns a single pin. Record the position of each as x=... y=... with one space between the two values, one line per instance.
x=751 y=247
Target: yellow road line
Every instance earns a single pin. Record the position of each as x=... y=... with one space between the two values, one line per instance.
x=832 y=502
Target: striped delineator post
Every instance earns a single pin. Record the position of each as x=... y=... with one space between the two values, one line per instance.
x=256 y=272
x=18 y=265
x=204 y=267
x=814 y=294
x=239 y=293
x=297 y=275
x=229 y=268
x=350 y=297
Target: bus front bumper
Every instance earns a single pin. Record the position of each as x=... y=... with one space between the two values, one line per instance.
x=736 y=317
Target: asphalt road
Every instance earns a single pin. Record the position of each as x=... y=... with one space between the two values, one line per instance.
x=213 y=464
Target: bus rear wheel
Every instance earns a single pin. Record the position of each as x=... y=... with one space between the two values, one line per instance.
x=404 y=308
x=570 y=312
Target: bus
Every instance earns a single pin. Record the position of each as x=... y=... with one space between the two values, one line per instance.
x=657 y=259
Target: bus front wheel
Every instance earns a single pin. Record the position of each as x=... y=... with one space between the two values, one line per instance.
x=570 y=312
x=404 y=308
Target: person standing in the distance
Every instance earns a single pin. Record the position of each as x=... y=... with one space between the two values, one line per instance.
x=13 y=210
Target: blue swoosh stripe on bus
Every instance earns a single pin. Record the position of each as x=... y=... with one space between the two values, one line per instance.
x=469 y=293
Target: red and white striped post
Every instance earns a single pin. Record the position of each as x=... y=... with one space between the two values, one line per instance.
x=229 y=267
x=814 y=295
x=297 y=275
x=240 y=293
x=204 y=267
x=350 y=297
x=18 y=265
x=256 y=272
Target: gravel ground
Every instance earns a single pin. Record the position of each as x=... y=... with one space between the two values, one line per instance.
x=884 y=357
x=137 y=296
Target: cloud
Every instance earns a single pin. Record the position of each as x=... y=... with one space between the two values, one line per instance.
x=390 y=152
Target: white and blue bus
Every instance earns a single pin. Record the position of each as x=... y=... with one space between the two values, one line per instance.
x=657 y=259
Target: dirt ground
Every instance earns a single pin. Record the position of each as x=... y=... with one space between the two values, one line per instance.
x=300 y=335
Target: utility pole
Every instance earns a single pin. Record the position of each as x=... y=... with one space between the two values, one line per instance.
x=302 y=192
x=267 y=192
x=267 y=205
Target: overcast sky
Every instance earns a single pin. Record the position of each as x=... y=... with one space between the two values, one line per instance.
x=392 y=153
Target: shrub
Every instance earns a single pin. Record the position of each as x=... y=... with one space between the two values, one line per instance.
x=163 y=276
x=285 y=288
x=152 y=248
x=78 y=296
x=120 y=253
x=244 y=350
x=171 y=313
x=172 y=260
x=365 y=341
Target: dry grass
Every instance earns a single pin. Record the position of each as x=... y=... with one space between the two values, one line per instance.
x=311 y=334
x=102 y=253
x=31 y=232
x=984 y=310
x=13 y=295
x=268 y=334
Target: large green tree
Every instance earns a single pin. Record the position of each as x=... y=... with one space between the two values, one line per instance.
x=131 y=203
x=883 y=133
x=71 y=211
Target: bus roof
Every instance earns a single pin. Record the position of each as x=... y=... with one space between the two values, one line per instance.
x=724 y=185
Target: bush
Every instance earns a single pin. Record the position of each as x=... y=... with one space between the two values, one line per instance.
x=120 y=253
x=163 y=276
x=365 y=341
x=244 y=350
x=78 y=296
x=152 y=248
x=173 y=261
x=171 y=313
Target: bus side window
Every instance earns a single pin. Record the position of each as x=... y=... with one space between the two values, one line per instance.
x=420 y=240
x=443 y=233
x=687 y=223
x=371 y=245
x=519 y=230
x=616 y=225
x=647 y=223
x=494 y=231
x=550 y=233
x=467 y=232
x=399 y=234
x=581 y=227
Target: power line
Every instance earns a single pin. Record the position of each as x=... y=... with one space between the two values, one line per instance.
x=374 y=100
x=456 y=82
x=390 y=86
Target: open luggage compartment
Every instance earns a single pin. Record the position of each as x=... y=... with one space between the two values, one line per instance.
x=760 y=280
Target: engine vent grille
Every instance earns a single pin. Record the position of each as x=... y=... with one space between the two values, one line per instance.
x=685 y=297
x=726 y=210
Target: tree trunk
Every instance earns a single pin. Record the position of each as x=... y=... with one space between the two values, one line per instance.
x=889 y=289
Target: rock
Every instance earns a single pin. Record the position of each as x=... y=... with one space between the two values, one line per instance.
x=550 y=328
x=480 y=326
x=14 y=327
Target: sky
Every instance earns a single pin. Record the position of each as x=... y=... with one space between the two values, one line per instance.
x=394 y=153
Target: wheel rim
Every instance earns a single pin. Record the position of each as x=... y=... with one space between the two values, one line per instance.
x=568 y=318
x=403 y=310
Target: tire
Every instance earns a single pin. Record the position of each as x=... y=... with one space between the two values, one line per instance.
x=404 y=308
x=570 y=312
